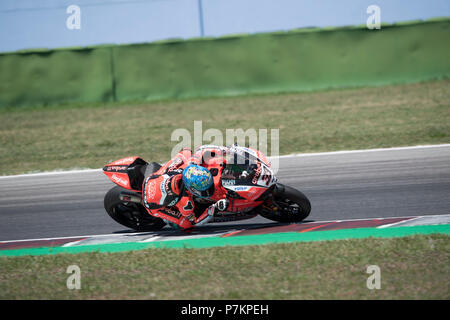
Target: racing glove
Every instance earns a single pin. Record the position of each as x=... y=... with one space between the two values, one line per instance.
x=220 y=205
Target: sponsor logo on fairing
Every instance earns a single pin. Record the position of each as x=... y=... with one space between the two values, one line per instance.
x=116 y=168
x=263 y=175
x=119 y=180
x=240 y=188
x=228 y=182
x=257 y=173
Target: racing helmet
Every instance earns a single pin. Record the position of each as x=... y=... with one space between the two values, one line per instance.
x=198 y=181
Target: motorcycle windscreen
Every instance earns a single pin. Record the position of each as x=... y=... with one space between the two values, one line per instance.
x=249 y=178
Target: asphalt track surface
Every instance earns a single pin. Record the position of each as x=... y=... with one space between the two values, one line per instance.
x=347 y=185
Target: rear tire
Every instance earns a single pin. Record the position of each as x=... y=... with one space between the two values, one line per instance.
x=291 y=206
x=130 y=214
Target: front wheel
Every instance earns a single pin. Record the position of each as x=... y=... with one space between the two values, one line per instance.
x=286 y=205
x=130 y=214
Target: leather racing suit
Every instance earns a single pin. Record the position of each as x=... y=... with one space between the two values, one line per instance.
x=164 y=195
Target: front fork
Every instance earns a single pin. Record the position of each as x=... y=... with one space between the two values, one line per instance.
x=270 y=205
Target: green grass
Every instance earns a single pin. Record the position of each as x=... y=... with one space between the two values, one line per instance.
x=40 y=139
x=416 y=267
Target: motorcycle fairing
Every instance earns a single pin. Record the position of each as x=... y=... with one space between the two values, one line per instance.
x=127 y=173
x=246 y=174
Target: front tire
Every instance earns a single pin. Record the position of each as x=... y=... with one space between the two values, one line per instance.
x=130 y=214
x=287 y=205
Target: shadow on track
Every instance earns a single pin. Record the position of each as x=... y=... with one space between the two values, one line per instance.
x=205 y=230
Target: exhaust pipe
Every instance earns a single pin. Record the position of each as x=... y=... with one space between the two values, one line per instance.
x=130 y=197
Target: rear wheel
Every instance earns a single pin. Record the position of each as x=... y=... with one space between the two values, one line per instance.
x=286 y=205
x=130 y=214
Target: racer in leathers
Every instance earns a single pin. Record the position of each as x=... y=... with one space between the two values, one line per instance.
x=169 y=193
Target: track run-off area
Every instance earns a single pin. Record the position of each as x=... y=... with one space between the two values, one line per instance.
x=354 y=194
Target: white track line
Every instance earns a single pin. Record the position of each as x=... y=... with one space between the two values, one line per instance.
x=153 y=233
x=441 y=219
x=399 y=222
x=71 y=237
x=50 y=173
x=294 y=155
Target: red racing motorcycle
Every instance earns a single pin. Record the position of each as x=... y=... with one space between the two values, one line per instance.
x=245 y=173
